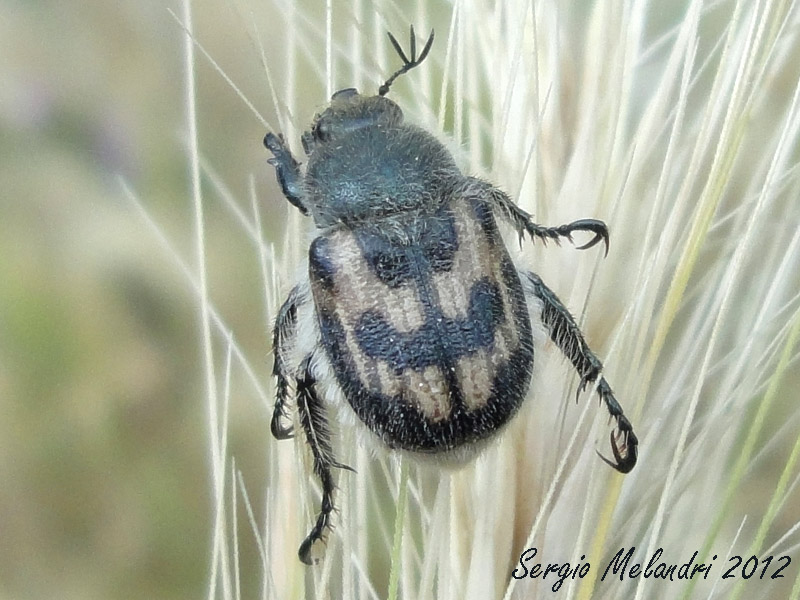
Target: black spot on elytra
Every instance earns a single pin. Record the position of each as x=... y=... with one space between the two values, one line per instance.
x=389 y=262
x=399 y=250
x=440 y=341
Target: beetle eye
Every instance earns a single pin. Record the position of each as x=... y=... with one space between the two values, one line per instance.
x=321 y=130
x=344 y=94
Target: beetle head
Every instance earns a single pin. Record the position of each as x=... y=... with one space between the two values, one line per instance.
x=349 y=111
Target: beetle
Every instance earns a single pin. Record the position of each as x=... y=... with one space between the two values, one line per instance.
x=412 y=312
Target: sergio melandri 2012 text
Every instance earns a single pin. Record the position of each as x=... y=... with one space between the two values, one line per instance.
x=622 y=565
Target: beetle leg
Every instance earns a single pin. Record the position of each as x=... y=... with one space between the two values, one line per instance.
x=315 y=425
x=287 y=169
x=524 y=224
x=284 y=330
x=566 y=334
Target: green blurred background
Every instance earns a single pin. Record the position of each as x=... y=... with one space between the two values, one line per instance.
x=103 y=440
x=104 y=435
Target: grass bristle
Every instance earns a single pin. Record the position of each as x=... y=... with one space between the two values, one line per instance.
x=679 y=127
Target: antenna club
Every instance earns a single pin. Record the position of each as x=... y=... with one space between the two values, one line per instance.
x=408 y=64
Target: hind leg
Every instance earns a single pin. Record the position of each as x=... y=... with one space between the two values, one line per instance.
x=566 y=334
x=315 y=425
x=310 y=408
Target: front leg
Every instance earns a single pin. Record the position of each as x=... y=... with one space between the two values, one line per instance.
x=566 y=334
x=287 y=170
x=523 y=222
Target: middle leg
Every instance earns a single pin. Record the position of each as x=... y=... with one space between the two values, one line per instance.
x=283 y=335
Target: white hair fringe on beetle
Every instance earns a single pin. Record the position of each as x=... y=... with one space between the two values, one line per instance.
x=682 y=133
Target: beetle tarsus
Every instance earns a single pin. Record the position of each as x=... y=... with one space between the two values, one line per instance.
x=624 y=459
x=598 y=228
